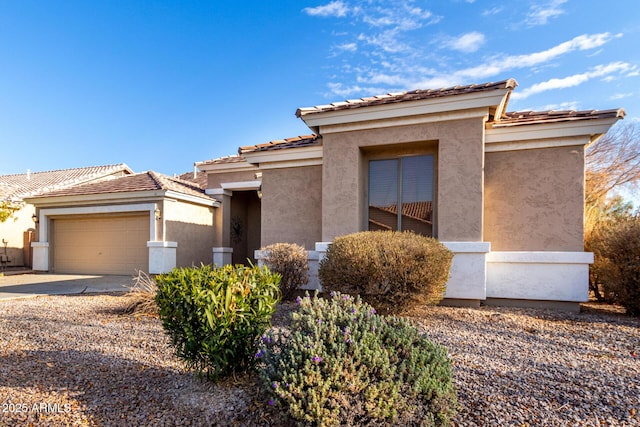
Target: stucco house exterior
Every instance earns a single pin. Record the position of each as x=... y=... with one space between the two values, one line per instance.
x=18 y=231
x=144 y=221
x=503 y=190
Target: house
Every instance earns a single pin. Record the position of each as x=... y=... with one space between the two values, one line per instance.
x=17 y=232
x=503 y=190
x=145 y=221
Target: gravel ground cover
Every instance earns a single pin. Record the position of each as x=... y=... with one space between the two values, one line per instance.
x=77 y=360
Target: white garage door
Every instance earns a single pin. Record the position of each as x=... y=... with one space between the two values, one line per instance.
x=101 y=245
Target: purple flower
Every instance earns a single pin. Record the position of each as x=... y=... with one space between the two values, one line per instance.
x=259 y=354
x=345 y=297
x=270 y=402
x=316 y=359
x=267 y=339
x=373 y=311
x=353 y=311
x=274 y=384
x=332 y=293
x=319 y=320
x=298 y=300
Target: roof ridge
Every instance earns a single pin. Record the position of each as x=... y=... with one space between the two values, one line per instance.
x=392 y=97
x=114 y=165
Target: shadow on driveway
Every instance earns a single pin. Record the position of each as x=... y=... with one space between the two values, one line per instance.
x=31 y=285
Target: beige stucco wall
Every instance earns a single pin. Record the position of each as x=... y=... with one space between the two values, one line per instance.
x=192 y=227
x=215 y=179
x=459 y=175
x=12 y=232
x=534 y=199
x=292 y=205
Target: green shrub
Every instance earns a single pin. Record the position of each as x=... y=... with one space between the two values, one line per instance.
x=616 y=268
x=215 y=316
x=393 y=271
x=342 y=364
x=290 y=261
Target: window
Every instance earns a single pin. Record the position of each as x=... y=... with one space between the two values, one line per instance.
x=401 y=194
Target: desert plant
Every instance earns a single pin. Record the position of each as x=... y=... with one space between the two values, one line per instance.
x=342 y=364
x=215 y=316
x=291 y=262
x=141 y=298
x=393 y=271
x=616 y=270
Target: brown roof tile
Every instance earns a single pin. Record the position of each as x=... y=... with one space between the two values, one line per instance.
x=23 y=185
x=234 y=158
x=281 y=144
x=200 y=179
x=532 y=117
x=144 y=181
x=413 y=95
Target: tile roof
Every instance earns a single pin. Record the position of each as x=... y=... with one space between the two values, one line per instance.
x=235 y=158
x=23 y=185
x=144 y=181
x=532 y=117
x=281 y=144
x=413 y=95
x=420 y=211
x=200 y=179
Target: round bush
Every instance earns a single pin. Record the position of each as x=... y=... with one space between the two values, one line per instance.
x=393 y=271
x=342 y=364
x=290 y=261
x=215 y=316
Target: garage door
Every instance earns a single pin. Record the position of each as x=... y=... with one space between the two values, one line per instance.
x=101 y=245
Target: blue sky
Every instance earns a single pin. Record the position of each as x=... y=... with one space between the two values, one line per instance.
x=161 y=85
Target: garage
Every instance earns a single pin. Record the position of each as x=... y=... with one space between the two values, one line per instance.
x=114 y=244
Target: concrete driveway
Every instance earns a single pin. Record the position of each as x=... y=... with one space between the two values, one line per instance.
x=31 y=285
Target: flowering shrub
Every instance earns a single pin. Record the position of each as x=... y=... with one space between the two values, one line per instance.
x=342 y=364
x=215 y=316
x=393 y=271
x=291 y=262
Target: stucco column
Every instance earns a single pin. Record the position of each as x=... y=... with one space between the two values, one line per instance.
x=460 y=201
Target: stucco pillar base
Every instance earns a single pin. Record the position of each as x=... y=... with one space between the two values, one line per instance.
x=468 y=270
x=162 y=257
x=40 y=256
x=548 y=276
x=222 y=256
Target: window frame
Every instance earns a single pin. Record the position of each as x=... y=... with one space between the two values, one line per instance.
x=398 y=154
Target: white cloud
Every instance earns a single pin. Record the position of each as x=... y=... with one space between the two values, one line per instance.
x=620 y=96
x=563 y=106
x=348 y=47
x=469 y=42
x=539 y=14
x=605 y=71
x=334 y=8
x=492 y=11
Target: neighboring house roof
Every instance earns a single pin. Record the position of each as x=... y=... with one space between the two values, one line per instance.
x=533 y=117
x=19 y=186
x=144 y=181
x=413 y=95
x=235 y=158
x=420 y=211
x=280 y=144
x=200 y=179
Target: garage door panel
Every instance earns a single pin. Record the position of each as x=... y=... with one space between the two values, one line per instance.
x=101 y=245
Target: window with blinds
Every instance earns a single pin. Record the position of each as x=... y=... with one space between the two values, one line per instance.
x=401 y=194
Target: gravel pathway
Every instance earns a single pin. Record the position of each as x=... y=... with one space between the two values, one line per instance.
x=75 y=360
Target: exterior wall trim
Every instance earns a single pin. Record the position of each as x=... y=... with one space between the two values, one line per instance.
x=406 y=121
x=493 y=147
x=398 y=110
x=241 y=185
x=555 y=276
